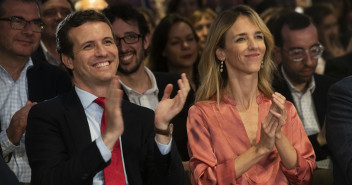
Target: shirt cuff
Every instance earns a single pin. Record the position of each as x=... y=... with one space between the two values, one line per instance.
x=164 y=149
x=104 y=151
x=6 y=145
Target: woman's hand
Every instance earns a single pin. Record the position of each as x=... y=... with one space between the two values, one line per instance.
x=278 y=110
x=267 y=133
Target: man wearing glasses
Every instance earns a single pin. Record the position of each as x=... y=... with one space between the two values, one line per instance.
x=298 y=48
x=23 y=81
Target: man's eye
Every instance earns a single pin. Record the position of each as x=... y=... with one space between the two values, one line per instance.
x=88 y=46
x=296 y=52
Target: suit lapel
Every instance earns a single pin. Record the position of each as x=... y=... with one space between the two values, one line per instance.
x=76 y=120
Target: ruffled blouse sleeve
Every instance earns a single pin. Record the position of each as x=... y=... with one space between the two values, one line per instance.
x=295 y=133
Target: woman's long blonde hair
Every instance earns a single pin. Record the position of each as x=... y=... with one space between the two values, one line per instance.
x=212 y=80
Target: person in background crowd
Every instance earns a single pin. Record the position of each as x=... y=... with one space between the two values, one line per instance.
x=201 y=20
x=174 y=48
x=23 y=80
x=239 y=130
x=184 y=7
x=298 y=48
x=325 y=19
x=53 y=12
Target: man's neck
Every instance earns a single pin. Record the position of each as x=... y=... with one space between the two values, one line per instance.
x=138 y=81
x=302 y=87
x=13 y=64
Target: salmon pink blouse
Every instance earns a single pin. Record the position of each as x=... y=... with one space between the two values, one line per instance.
x=216 y=136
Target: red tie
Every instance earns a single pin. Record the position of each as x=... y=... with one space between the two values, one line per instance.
x=113 y=174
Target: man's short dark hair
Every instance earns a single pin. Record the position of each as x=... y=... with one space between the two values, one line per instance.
x=294 y=21
x=2 y=11
x=64 y=44
x=127 y=12
x=41 y=2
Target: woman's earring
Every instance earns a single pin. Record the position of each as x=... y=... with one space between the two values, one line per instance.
x=221 y=66
x=262 y=65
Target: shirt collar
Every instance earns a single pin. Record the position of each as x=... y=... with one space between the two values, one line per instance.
x=151 y=76
x=85 y=97
x=311 y=85
x=48 y=56
x=28 y=65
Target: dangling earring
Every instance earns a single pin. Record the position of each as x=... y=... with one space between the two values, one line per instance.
x=262 y=65
x=221 y=66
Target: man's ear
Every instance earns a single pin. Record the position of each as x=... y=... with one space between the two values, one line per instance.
x=220 y=54
x=146 y=41
x=67 y=61
x=277 y=55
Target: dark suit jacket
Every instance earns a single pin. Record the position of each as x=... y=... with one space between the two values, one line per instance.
x=322 y=84
x=45 y=82
x=180 y=120
x=60 y=150
x=339 y=130
x=339 y=67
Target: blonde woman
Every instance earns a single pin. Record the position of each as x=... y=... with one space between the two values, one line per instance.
x=239 y=130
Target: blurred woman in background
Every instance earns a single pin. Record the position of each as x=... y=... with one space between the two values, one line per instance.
x=201 y=20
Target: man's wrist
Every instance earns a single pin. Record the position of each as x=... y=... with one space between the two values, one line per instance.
x=166 y=132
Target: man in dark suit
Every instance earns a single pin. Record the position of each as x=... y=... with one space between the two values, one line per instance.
x=63 y=139
x=140 y=85
x=339 y=67
x=339 y=130
x=298 y=48
x=24 y=81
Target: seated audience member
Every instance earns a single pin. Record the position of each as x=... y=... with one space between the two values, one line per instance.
x=79 y=138
x=325 y=19
x=140 y=85
x=174 y=48
x=53 y=12
x=201 y=20
x=339 y=130
x=183 y=7
x=23 y=80
x=298 y=48
x=239 y=130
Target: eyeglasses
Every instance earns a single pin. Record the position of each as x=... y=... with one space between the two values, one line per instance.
x=298 y=54
x=18 y=23
x=128 y=39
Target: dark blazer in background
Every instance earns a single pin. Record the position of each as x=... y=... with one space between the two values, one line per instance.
x=322 y=84
x=339 y=130
x=339 y=67
x=180 y=120
x=60 y=150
